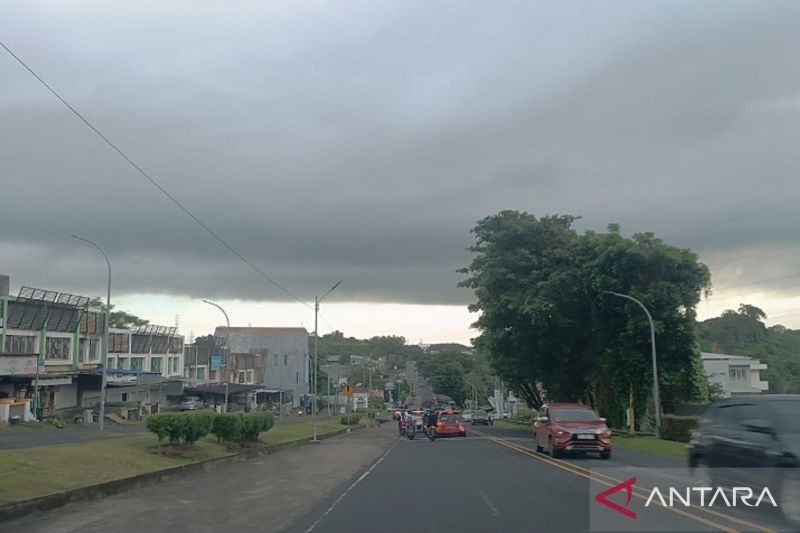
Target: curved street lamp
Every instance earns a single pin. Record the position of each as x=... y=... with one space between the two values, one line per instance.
x=227 y=355
x=317 y=301
x=107 y=323
x=656 y=396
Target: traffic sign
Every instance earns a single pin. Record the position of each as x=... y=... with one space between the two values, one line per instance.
x=348 y=390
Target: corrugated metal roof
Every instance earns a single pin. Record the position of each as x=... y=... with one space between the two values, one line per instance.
x=278 y=330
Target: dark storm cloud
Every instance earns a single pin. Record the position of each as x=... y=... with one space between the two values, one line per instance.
x=362 y=141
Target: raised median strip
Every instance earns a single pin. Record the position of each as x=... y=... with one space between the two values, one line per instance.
x=285 y=436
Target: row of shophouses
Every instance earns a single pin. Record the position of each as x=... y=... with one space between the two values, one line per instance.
x=51 y=346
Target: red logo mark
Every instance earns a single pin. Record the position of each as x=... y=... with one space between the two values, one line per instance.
x=627 y=486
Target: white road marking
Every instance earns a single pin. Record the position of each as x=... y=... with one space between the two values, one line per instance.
x=489 y=503
x=351 y=487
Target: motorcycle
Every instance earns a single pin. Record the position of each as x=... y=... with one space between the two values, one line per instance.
x=411 y=429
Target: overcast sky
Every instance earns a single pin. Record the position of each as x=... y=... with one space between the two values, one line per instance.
x=360 y=141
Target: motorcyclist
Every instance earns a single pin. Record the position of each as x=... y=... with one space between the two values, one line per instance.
x=409 y=420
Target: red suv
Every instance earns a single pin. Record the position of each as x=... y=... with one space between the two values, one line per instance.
x=571 y=427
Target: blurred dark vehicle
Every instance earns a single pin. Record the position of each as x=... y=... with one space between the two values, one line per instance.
x=751 y=441
x=480 y=417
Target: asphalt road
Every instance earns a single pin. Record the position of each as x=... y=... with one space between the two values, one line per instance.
x=373 y=481
x=495 y=482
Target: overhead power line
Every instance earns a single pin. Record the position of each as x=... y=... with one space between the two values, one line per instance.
x=149 y=178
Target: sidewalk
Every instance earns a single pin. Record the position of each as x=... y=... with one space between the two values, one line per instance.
x=264 y=494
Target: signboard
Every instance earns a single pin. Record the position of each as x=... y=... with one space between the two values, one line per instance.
x=18 y=364
x=348 y=390
x=216 y=362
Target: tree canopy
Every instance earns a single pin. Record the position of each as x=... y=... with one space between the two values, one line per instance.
x=546 y=322
x=119 y=319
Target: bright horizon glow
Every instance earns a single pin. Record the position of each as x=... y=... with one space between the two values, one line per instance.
x=417 y=323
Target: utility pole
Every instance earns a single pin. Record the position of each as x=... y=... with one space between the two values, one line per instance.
x=656 y=396
x=317 y=301
x=107 y=324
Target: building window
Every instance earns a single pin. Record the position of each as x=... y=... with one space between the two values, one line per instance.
x=112 y=362
x=23 y=344
x=94 y=349
x=212 y=375
x=118 y=342
x=155 y=364
x=137 y=363
x=201 y=373
x=174 y=365
x=250 y=376
x=83 y=351
x=275 y=359
x=297 y=377
x=738 y=374
x=285 y=359
x=57 y=348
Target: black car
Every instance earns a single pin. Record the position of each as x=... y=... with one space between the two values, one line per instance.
x=480 y=417
x=751 y=441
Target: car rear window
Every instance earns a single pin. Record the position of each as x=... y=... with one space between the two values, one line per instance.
x=573 y=415
x=450 y=419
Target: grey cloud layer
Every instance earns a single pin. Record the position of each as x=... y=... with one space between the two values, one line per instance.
x=361 y=142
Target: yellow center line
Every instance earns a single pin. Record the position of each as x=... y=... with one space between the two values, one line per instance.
x=585 y=472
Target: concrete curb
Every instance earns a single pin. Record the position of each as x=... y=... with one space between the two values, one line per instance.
x=49 y=502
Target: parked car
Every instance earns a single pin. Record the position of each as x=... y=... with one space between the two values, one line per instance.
x=449 y=423
x=191 y=403
x=751 y=441
x=480 y=417
x=571 y=428
x=467 y=415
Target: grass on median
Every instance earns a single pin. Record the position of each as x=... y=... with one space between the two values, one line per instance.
x=31 y=472
x=300 y=429
x=648 y=444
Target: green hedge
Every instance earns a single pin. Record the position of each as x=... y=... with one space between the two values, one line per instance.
x=242 y=426
x=351 y=419
x=678 y=428
x=190 y=426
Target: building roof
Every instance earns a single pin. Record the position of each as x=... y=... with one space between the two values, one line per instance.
x=278 y=330
x=724 y=357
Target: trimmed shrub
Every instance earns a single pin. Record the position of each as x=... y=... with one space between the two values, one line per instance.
x=351 y=419
x=198 y=425
x=678 y=428
x=158 y=424
x=226 y=427
x=253 y=424
x=241 y=426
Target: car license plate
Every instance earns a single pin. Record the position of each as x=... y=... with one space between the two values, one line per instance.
x=585 y=437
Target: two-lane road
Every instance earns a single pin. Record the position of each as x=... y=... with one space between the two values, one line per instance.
x=492 y=480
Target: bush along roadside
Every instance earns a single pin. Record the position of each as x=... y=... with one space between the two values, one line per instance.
x=189 y=427
x=678 y=428
x=241 y=427
x=350 y=420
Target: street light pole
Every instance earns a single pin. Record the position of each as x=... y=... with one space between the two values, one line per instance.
x=107 y=324
x=317 y=301
x=656 y=395
x=227 y=354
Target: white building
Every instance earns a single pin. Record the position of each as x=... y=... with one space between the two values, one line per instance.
x=738 y=375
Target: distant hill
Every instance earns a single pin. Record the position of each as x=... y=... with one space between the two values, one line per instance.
x=743 y=332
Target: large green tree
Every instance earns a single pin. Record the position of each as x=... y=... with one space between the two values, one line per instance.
x=545 y=320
